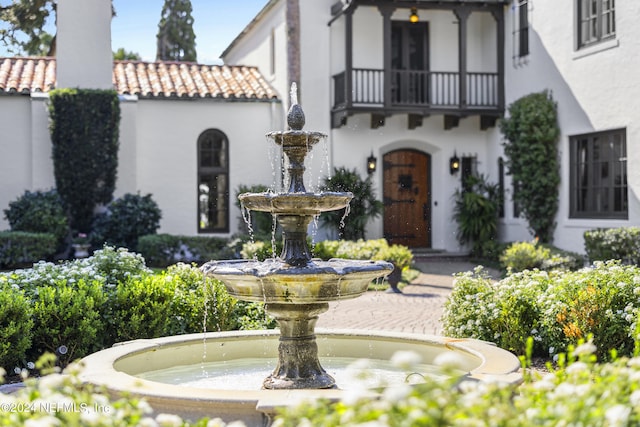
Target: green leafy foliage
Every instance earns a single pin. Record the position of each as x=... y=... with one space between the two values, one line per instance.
x=252 y=316
x=22 y=29
x=532 y=159
x=141 y=308
x=621 y=243
x=200 y=303
x=580 y=392
x=38 y=212
x=258 y=225
x=57 y=398
x=19 y=248
x=126 y=220
x=67 y=319
x=84 y=129
x=261 y=250
x=376 y=249
x=162 y=250
x=363 y=207
x=557 y=308
x=176 y=39
x=16 y=325
x=521 y=256
x=122 y=54
x=80 y=306
x=476 y=212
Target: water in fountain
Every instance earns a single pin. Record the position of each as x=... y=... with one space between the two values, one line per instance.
x=295 y=287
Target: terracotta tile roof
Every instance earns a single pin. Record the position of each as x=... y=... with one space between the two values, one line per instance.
x=145 y=79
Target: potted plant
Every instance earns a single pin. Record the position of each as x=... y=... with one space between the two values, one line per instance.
x=81 y=245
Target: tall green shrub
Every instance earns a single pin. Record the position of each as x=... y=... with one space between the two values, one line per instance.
x=532 y=159
x=363 y=207
x=84 y=129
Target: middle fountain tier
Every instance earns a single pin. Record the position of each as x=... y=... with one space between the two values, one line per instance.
x=296 y=288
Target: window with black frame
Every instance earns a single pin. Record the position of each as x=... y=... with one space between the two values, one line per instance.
x=213 y=182
x=596 y=21
x=599 y=175
x=520 y=28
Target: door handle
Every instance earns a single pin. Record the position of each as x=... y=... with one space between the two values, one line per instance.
x=425 y=212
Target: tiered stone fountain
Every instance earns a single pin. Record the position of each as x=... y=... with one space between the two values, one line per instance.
x=296 y=290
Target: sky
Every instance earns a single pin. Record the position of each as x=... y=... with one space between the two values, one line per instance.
x=216 y=24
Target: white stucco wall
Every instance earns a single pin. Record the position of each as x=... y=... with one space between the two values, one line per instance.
x=157 y=151
x=166 y=165
x=15 y=161
x=595 y=89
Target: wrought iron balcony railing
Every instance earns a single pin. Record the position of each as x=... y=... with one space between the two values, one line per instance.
x=425 y=90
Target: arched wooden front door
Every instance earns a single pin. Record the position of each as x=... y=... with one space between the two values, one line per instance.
x=407 y=198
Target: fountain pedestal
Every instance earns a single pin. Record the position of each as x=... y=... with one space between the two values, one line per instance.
x=298 y=364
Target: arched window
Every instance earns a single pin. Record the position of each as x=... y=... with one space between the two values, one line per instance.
x=213 y=182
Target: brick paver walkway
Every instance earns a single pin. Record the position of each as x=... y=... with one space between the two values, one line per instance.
x=416 y=310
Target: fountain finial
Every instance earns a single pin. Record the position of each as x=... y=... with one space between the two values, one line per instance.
x=295 y=117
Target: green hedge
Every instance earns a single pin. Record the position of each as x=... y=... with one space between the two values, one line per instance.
x=377 y=249
x=16 y=324
x=39 y=212
x=613 y=243
x=20 y=248
x=77 y=307
x=161 y=250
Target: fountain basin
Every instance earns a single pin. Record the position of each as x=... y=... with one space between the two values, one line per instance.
x=275 y=281
x=118 y=368
x=295 y=203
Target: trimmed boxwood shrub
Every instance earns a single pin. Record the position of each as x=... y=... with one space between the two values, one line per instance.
x=162 y=250
x=68 y=319
x=199 y=302
x=16 y=326
x=19 y=248
x=520 y=256
x=141 y=308
x=376 y=249
x=39 y=212
x=126 y=220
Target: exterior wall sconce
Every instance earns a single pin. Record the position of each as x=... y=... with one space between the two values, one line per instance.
x=454 y=164
x=413 y=18
x=371 y=163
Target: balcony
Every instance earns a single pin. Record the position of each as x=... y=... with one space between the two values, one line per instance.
x=417 y=93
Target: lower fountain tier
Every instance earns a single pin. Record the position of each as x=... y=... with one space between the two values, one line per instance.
x=274 y=281
x=119 y=369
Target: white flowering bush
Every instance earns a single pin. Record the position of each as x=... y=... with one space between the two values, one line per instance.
x=61 y=399
x=580 y=392
x=555 y=308
x=621 y=243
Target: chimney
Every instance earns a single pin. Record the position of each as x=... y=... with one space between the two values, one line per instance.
x=83 y=44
